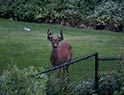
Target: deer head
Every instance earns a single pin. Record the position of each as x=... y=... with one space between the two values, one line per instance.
x=54 y=42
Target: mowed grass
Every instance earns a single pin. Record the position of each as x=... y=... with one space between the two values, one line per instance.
x=31 y=48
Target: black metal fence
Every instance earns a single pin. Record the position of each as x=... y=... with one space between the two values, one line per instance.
x=90 y=67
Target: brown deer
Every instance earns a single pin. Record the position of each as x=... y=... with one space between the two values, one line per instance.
x=59 y=54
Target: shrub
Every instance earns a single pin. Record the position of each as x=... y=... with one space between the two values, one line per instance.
x=15 y=81
x=112 y=84
x=120 y=84
x=107 y=85
x=60 y=86
x=84 y=88
x=109 y=13
x=101 y=13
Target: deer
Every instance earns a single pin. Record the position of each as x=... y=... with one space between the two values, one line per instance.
x=60 y=54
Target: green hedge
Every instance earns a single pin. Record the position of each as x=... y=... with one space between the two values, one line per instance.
x=74 y=12
x=15 y=81
x=108 y=85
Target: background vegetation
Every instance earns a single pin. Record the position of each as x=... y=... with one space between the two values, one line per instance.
x=98 y=14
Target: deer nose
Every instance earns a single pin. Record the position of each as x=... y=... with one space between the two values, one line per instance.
x=55 y=45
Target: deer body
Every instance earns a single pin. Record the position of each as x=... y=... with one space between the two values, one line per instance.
x=59 y=54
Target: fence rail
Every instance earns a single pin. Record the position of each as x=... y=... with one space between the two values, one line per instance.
x=105 y=59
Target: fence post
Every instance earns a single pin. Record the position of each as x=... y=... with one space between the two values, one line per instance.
x=96 y=73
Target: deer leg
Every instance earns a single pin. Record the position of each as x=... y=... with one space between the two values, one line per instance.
x=67 y=70
x=59 y=71
x=64 y=68
x=53 y=73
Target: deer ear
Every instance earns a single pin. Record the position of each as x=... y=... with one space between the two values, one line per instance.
x=48 y=32
x=49 y=35
x=60 y=38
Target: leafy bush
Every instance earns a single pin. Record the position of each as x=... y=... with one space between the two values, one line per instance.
x=59 y=87
x=17 y=81
x=113 y=84
x=84 y=88
x=120 y=84
x=109 y=13
x=107 y=85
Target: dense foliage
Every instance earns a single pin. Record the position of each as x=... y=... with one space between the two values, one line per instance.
x=108 y=85
x=15 y=81
x=76 y=13
x=59 y=86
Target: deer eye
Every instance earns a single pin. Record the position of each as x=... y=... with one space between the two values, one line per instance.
x=52 y=41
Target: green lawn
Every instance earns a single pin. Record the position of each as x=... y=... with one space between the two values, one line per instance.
x=24 y=48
